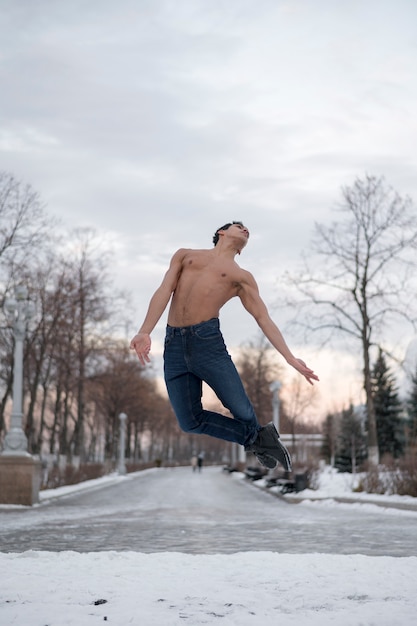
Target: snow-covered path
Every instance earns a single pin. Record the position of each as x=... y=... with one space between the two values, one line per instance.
x=213 y=512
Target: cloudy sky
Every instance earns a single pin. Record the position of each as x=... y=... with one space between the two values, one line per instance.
x=156 y=121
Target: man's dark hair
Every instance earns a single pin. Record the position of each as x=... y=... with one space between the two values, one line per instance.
x=216 y=236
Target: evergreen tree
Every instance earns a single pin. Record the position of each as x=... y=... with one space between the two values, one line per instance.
x=351 y=443
x=412 y=410
x=330 y=430
x=390 y=427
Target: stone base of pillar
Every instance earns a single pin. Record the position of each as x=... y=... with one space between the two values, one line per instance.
x=20 y=479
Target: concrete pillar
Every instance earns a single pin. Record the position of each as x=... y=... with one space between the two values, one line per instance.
x=20 y=479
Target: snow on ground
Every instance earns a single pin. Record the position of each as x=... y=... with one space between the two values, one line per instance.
x=333 y=485
x=87 y=485
x=169 y=589
x=243 y=589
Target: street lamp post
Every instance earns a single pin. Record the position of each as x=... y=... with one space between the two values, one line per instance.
x=20 y=310
x=275 y=387
x=122 y=438
x=20 y=472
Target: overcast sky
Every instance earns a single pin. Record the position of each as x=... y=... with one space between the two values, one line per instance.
x=156 y=121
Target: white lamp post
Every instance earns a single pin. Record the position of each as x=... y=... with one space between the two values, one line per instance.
x=122 y=464
x=20 y=310
x=275 y=386
x=20 y=472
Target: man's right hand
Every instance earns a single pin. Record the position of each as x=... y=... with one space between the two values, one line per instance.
x=141 y=344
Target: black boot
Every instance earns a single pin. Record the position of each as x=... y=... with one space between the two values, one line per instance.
x=269 y=450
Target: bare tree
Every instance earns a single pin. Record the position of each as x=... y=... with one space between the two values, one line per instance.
x=120 y=384
x=90 y=304
x=23 y=225
x=258 y=367
x=364 y=280
x=46 y=282
x=298 y=399
x=25 y=232
x=65 y=341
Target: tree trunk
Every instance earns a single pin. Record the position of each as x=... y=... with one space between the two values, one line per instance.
x=373 y=451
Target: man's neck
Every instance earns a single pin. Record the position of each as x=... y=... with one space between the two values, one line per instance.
x=227 y=249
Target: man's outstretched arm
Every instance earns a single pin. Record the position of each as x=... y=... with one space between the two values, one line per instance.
x=253 y=303
x=141 y=342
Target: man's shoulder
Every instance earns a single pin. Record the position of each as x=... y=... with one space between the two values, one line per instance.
x=180 y=253
x=185 y=255
x=183 y=251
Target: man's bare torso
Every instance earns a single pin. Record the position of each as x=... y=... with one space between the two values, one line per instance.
x=205 y=283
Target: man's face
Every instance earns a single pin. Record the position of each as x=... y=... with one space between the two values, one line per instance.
x=241 y=230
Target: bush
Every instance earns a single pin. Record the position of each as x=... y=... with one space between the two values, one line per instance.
x=72 y=475
x=392 y=477
x=137 y=467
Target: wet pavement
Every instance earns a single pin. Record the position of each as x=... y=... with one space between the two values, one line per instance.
x=212 y=512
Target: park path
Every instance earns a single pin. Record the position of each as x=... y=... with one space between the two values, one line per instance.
x=209 y=512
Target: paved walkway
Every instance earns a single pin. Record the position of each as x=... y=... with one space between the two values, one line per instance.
x=212 y=512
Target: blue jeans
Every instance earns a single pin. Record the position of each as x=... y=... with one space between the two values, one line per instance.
x=194 y=354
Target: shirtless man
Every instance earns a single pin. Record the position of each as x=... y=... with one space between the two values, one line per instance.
x=200 y=282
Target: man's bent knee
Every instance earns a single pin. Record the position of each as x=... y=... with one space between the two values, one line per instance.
x=193 y=425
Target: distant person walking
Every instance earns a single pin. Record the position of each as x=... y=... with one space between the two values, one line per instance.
x=199 y=283
x=200 y=461
x=194 y=462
